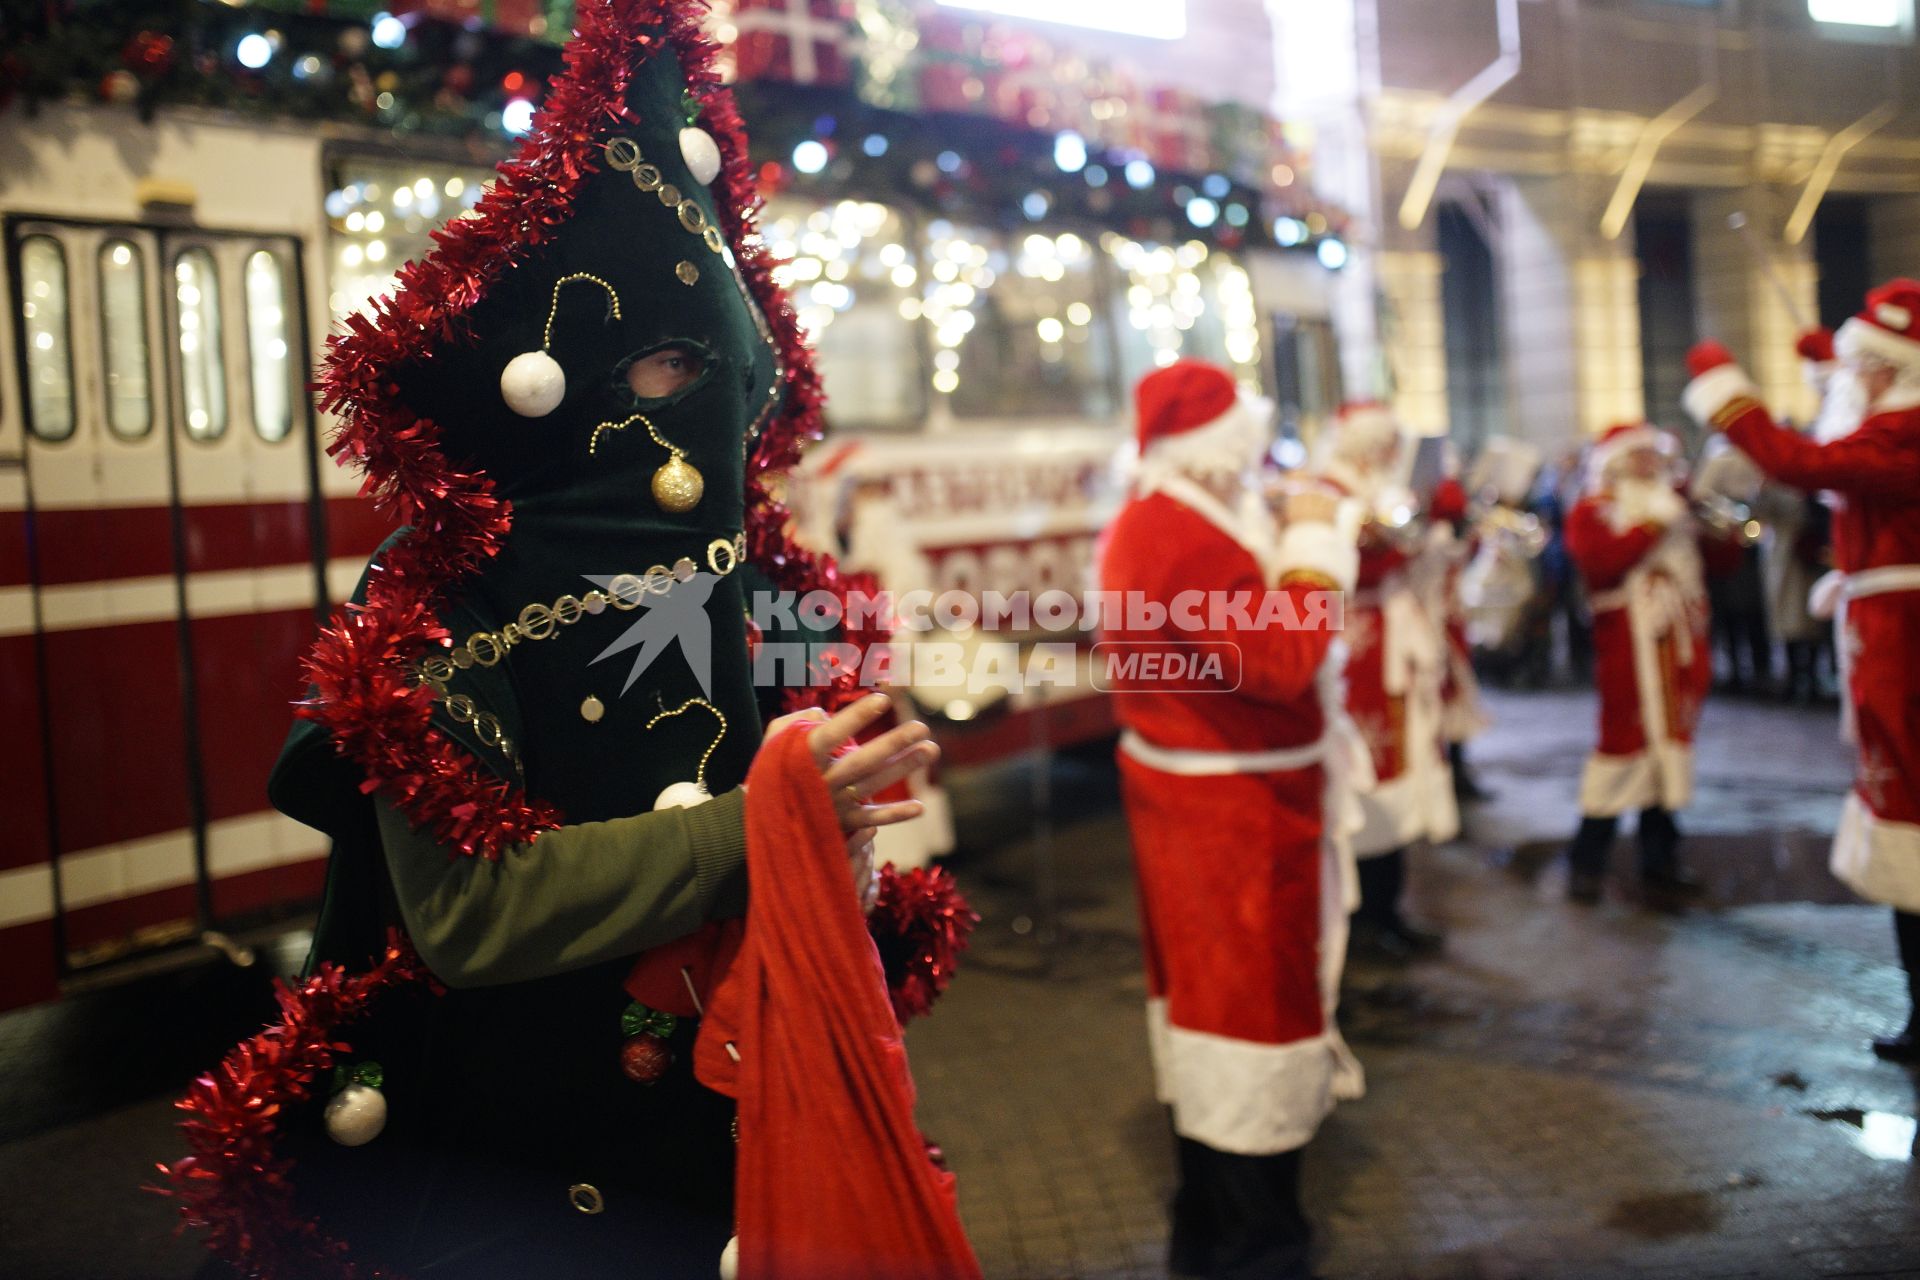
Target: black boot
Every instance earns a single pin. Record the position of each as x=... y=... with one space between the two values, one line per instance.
x=1466 y=787
x=1238 y=1217
x=1587 y=859
x=1378 y=925
x=1667 y=885
x=1905 y=1047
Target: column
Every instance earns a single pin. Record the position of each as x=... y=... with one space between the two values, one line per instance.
x=1755 y=292
x=1571 y=312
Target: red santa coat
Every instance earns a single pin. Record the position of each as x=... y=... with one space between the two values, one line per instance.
x=1652 y=658
x=1397 y=666
x=1245 y=888
x=1876 y=473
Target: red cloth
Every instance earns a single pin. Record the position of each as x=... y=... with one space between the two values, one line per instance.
x=833 y=1181
x=1707 y=354
x=1606 y=556
x=1815 y=345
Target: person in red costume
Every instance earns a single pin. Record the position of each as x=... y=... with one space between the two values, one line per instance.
x=1451 y=544
x=1865 y=452
x=1640 y=553
x=1228 y=783
x=1396 y=674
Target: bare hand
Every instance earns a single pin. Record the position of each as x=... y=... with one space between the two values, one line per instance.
x=1312 y=506
x=872 y=767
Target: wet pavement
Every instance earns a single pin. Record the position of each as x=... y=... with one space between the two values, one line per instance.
x=1567 y=1092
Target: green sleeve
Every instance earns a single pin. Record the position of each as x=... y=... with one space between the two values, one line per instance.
x=576 y=896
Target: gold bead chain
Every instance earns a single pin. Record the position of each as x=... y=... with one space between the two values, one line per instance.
x=699 y=774
x=546 y=335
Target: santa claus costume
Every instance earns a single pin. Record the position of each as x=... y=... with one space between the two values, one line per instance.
x=1450 y=546
x=1233 y=791
x=1639 y=550
x=1865 y=452
x=1396 y=673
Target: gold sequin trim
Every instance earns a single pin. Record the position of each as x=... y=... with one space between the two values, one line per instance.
x=613 y=300
x=624 y=155
x=538 y=621
x=699 y=774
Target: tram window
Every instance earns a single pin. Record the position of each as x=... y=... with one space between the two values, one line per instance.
x=203 y=365
x=856 y=283
x=1017 y=325
x=45 y=326
x=268 y=353
x=1184 y=300
x=123 y=339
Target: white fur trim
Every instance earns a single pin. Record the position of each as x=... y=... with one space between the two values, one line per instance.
x=1714 y=390
x=1824 y=596
x=1220 y=445
x=1360 y=433
x=1613 y=785
x=1417 y=805
x=1241 y=1096
x=1876 y=857
x=1314 y=547
x=1863 y=340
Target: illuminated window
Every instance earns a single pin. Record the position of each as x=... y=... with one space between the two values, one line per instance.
x=123 y=339
x=381 y=214
x=1859 y=13
x=1018 y=325
x=1184 y=300
x=855 y=277
x=268 y=353
x=203 y=365
x=44 y=327
x=1160 y=19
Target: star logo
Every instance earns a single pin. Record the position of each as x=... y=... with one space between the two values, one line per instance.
x=676 y=616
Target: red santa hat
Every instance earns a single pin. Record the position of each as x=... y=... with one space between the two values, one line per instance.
x=1192 y=415
x=1887 y=331
x=1620 y=440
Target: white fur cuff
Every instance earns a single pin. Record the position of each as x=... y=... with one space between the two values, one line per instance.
x=1313 y=547
x=1713 y=391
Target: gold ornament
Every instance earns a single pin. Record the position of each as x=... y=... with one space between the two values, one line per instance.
x=689 y=274
x=592 y=710
x=678 y=486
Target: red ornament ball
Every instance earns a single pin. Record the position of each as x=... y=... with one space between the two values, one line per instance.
x=149 y=54
x=645 y=1058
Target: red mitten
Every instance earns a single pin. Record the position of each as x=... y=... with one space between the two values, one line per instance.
x=1706 y=355
x=1449 y=501
x=1815 y=345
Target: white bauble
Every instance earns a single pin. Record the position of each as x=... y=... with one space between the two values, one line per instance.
x=533 y=384
x=701 y=153
x=730 y=1260
x=356 y=1115
x=682 y=795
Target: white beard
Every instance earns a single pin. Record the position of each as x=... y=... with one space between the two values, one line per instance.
x=1638 y=502
x=1843 y=408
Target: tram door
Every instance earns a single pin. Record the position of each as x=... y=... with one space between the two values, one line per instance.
x=173 y=531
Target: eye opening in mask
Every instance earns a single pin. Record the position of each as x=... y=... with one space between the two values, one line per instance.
x=665 y=372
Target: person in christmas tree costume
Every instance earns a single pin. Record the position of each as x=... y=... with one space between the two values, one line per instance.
x=1236 y=799
x=598 y=900
x=1864 y=453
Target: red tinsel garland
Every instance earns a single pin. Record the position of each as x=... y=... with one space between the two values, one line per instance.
x=920 y=923
x=235 y=1185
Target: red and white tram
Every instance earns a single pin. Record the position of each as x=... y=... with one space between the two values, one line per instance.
x=170 y=530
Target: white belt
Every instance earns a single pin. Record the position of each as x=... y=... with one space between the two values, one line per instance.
x=1885 y=580
x=1209 y=764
